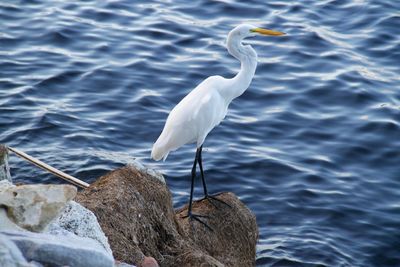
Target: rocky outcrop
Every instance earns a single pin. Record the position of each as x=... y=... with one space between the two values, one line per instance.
x=10 y=255
x=6 y=223
x=51 y=250
x=73 y=238
x=234 y=234
x=133 y=217
x=33 y=206
x=135 y=211
x=40 y=225
x=80 y=221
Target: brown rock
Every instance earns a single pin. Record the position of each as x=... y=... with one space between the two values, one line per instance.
x=135 y=211
x=234 y=236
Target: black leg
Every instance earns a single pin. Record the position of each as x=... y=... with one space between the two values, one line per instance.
x=192 y=185
x=206 y=195
x=190 y=214
x=200 y=160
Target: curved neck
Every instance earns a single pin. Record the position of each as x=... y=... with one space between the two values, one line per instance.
x=248 y=59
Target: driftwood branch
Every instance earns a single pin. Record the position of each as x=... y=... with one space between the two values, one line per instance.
x=49 y=168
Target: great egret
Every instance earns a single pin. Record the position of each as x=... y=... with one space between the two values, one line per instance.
x=206 y=106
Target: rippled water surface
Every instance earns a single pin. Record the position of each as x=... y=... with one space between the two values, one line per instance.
x=312 y=147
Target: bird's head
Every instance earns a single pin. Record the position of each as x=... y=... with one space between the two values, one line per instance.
x=236 y=36
x=246 y=30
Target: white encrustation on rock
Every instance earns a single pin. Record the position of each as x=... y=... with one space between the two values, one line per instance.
x=152 y=172
x=80 y=221
x=33 y=207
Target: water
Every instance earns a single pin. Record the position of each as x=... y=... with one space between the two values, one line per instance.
x=312 y=147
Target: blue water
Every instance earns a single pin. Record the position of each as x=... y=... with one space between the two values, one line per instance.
x=312 y=147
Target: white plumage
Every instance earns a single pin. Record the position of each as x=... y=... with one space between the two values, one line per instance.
x=192 y=119
x=205 y=107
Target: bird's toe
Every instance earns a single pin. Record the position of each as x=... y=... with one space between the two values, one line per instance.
x=212 y=199
x=197 y=217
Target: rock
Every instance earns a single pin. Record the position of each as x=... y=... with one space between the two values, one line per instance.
x=10 y=255
x=4 y=167
x=149 y=262
x=36 y=264
x=234 y=236
x=122 y=264
x=135 y=211
x=5 y=184
x=6 y=223
x=129 y=217
x=80 y=221
x=34 y=206
x=51 y=250
x=151 y=172
x=196 y=258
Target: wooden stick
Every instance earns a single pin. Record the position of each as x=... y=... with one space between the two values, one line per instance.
x=48 y=168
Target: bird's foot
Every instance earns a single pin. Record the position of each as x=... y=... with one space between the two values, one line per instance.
x=212 y=198
x=197 y=218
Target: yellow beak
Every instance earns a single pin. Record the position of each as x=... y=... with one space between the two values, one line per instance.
x=267 y=32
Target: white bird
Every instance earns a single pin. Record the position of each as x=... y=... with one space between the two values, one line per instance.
x=205 y=107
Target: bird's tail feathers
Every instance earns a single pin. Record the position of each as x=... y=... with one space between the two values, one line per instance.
x=159 y=152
